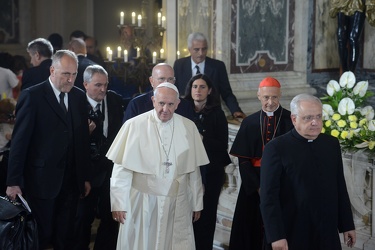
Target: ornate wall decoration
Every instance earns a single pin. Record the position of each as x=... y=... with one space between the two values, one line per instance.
x=9 y=21
x=262 y=35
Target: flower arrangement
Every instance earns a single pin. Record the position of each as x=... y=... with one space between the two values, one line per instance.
x=345 y=117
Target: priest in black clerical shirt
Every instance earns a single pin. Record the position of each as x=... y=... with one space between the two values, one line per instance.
x=255 y=132
x=303 y=196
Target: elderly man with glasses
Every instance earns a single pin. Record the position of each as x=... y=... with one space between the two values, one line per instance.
x=256 y=131
x=162 y=72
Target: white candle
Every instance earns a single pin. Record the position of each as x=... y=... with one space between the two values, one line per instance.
x=110 y=55
x=122 y=18
x=154 y=57
x=108 y=49
x=159 y=18
x=163 y=21
x=125 y=56
x=133 y=18
x=119 y=52
x=139 y=21
x=178 y=54
x=138 y=52
x=161 y=53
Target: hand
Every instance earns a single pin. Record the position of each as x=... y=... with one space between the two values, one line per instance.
x=196 y=216
x=87 y=189
x=119 y=216
x=12 y=192
x=350 y=238
x=92 y=126
x=280 y=245
x=8 y=136
x=239 y=114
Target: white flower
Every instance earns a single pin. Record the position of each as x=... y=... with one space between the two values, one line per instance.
x=332 y=87
x=371 y=125
x=368 y=112
x=346 y=106
x=361 y=88
x=327 y=111
x=347 y=79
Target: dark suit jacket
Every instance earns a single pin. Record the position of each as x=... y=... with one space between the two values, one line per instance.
x=40 y=139
x=115 y=116
x=35 y=75
x=143 y=103
x=215 y=70
x=83 y=62
x=96 y=60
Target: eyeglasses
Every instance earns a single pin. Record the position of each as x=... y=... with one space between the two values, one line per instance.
x=164 y=79
x=309 y=118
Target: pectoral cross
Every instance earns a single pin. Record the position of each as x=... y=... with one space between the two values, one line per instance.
x=167 y=164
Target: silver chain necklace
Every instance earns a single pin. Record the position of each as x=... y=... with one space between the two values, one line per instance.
x=167 y=163
x=261 y=125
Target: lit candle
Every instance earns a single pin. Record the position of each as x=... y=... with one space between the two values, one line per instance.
x=138 y=52
x=119 y=51
x=178 y=54
x=159 y=18
x=133 y=18
x=108 y=49
x=154 y=57
x=139 y=21
x=163 y=21
x=161 y=53
x=125 y=56
x=122 y=18
x=110 y=55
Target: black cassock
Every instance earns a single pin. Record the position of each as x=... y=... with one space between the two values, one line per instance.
x=303 y=192
x=256 y=130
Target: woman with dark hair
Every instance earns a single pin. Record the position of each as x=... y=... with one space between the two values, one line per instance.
x=213 y=127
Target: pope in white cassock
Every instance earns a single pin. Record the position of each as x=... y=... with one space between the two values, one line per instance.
x=156 y=186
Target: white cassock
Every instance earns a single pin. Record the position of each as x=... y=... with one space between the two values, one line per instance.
x=159 y=201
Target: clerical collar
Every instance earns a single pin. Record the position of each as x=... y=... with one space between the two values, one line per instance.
x=272 y=112
x=300 y=137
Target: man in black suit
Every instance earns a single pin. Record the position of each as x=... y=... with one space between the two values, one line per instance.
x=49 y=159
x=40 y=51
x=78 y=46
x=161 y=72
x=105 y=113
x=198 y=62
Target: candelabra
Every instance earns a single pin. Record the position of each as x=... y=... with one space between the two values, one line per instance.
x=139 y=41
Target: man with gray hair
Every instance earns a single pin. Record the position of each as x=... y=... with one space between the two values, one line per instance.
x=49 y=161
x=40 y=51
x=105 y=112
x=156 y=186
x=198 y=62
x=303 y=197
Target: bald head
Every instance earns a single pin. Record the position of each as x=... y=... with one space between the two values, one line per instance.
x=162 y=72
x=78 y=46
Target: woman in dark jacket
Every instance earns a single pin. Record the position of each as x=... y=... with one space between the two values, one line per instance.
x=213 y=127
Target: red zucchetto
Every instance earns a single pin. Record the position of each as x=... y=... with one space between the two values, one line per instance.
x=269 y=82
